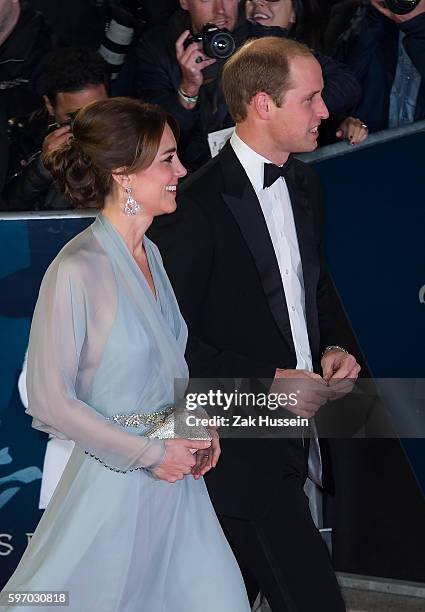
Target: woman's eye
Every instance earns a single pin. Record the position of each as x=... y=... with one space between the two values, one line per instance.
x=169 y=159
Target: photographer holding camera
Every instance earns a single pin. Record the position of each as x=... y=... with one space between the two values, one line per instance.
x=386 y=51
x=73 y=77
x=175 y=71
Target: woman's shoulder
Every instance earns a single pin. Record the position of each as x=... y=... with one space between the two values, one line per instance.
x=81 y=259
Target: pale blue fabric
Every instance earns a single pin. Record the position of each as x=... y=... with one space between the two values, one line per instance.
x=101 y=344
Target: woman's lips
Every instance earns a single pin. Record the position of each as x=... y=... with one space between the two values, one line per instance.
x=260 y=17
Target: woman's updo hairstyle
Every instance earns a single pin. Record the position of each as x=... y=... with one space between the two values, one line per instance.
x=118 y=133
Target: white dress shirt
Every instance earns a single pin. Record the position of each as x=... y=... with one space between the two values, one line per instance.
x=277 y=210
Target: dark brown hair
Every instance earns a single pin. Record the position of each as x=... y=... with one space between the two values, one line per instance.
x=119 y=135
x=259 y=65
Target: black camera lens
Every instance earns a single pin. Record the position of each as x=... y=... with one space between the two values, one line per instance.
x=401 y=7
x=219 y=44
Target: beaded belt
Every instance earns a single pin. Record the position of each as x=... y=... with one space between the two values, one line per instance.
x=134 y=420
x=140 y=420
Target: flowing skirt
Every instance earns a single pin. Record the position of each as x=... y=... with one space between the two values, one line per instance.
x=130 y=543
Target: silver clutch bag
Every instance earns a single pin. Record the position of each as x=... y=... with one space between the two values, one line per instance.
x=174 y=425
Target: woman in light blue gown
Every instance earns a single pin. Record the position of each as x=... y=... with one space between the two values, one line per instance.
x=129 y=527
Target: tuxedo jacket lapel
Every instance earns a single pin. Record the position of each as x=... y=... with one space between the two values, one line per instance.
x=243 y=203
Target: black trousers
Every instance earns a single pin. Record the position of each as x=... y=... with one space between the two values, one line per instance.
x=283 y=555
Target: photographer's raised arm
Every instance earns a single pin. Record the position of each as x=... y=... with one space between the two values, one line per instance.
x=192 y=61
x=158 y=77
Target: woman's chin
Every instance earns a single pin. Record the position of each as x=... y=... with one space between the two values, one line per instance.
x=170 y=208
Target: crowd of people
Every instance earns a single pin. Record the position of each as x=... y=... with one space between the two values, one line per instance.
x=53 y=62
x=224 y=278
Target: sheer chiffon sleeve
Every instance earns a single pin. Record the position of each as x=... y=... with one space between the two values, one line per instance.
x=70 y=327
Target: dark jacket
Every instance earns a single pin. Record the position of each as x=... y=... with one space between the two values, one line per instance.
x=372 y=54
x=21 y=60
x=21 y=63
x=159 y=76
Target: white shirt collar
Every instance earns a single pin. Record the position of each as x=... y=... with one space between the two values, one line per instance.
x=252 y=161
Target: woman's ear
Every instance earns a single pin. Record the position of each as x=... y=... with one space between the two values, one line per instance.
x=123 y=180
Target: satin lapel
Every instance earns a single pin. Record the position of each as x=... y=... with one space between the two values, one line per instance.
x=240 y=197
x=307 y=243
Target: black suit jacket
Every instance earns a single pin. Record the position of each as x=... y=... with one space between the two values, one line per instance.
x=220 y=259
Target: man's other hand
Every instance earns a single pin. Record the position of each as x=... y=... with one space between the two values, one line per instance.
x=309 y=388
x=340 y=370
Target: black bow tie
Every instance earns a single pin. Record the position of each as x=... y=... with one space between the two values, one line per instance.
x=273 y=172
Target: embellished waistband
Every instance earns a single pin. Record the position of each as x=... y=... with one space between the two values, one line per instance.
x=141 y=419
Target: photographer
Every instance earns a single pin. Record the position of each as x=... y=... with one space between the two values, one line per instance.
x=24 y=41
x=73 y=78
x=386 y=51
x=183 y=79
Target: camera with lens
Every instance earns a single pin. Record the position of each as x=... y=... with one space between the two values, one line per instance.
x=401 y=7
x=217 y=42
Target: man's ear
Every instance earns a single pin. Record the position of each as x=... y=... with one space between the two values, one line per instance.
x=261 y=103
x=49 y=106
x=184 y=5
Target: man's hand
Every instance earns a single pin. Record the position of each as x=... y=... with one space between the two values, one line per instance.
x=340 y=370
x=178 y=460
x=56 y=139
x=380 y=6
x=191 y=61
x=337 y=364
x=352 y=130
x=207 y=459
x=309 y=388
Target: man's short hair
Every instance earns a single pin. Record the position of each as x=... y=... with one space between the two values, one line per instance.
x=72 y=69
x=259 y=65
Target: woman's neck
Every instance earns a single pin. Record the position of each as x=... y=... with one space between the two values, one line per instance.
x=131 y=227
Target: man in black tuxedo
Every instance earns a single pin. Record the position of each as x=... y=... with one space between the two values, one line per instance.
x=244 y=254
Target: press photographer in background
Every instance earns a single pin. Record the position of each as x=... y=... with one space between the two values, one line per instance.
x=24 y=41
x=183 y=79
x=385 y=48
x=73 y=77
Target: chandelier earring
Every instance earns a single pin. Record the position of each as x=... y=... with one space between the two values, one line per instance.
x=131 y=207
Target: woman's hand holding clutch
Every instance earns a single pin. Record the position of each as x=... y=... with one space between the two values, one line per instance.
x=179 y=460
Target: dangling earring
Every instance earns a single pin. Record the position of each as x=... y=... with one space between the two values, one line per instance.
x=131 y=207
